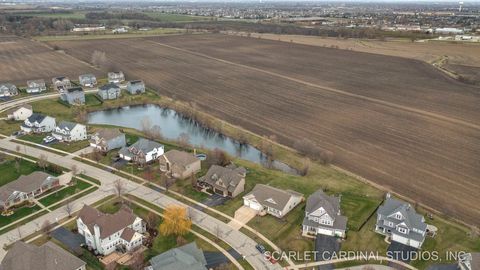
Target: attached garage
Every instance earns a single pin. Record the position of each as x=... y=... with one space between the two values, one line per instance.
x=400 y=239
x=252 y=204
x=325 y=231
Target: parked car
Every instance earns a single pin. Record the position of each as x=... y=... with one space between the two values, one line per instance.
x=48 y=139
x=260 y=248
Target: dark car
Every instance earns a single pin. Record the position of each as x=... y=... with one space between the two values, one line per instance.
x=260 y=248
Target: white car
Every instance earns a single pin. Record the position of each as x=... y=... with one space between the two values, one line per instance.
x=48 y=139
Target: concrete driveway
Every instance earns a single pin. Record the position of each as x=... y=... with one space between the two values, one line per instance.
x=242 y=216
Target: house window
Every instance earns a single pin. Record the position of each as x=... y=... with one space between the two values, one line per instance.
x=402 y=230
x=398 y=216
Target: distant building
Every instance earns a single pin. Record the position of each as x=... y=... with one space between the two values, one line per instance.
x=107 y=139
x=141 y=152
x=26 y=187
x=400 y=221
x=87 y=80
x=449 y=30
x=323 y=215
x=20 y=113
x=116 y=77
x=469 y=261
x=8 y=90
x=36 y=86
x=273 y=201
x=109 y=91
x=227 y=181
x=49 y=256
x=60 y=84
x=136 y=87
x=106 y=233
x=120 y=30
x=74 y=96
x=70 y=132
x=88 y=28
x=179 y=164
x=38 y=123
x=187 y=257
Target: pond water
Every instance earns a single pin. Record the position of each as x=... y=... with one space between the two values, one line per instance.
x=172 y=124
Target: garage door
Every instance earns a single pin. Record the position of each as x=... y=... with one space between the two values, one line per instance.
x=325 y=231
x=252 y=205
x=400 y=239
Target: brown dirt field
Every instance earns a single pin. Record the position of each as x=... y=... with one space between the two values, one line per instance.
x=23 y=59
x=394 y=121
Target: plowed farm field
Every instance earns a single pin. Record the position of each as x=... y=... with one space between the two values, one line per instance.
x=395 y=121
x=23 y=59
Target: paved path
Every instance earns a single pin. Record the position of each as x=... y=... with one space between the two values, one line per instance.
x=239 y=241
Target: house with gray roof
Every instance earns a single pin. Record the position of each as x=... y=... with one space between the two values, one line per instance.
x=179 y=164
x=70 y=132
x=109 y=91
x=323 y=216
x=106 y=233
x=227 y=181
x=141 y=152
x=36 y=86
x=270 y=200
x=26 y=187
x=185 y=257
x=61 y=84
x=136 y=87
x=400 y=221
x=87 y=80
x=74 y=96
x=49 y=256
x=107 y=139
x=469 y=261
x=8 y=90
x=116 y=77
x=38 y=123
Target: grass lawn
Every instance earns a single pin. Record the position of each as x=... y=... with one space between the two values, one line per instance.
x=8 y=127
x=365 y=240
x=18 y=214
x=92 y=100
x=64 y=193
x=358 y=209
x=64 y=146
x=9 y=173
x=110 y=35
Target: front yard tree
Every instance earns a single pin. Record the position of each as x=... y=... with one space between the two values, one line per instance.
x=42 y=162
x=175 y=221
x=69 y=209
x=119 y=187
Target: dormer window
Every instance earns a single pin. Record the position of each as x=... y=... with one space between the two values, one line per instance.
x=398 y=216
x=402 y=230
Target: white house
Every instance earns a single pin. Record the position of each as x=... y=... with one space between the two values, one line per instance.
x=87 y=80
x=116 y=77
x=107 y=139
x=322 y=216
x=38 y=123
x=36 y=86
x=70 y=132
x=142 y=151
x=106 y=233
x=273 y=201
x=20 y=113
x=400 y=221
x=8 y=89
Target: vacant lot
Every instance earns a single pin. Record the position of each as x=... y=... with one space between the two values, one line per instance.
x=395 y=121
x=22 y=60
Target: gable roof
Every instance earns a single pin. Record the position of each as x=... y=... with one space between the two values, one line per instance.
x=24 y=183
x=143 y=145
x=230 y=176
x=271 y=196
x=108 y=133
x=185 y=257
x=49 y=256
x=127 y=234
x=87 y=76
x=330 y=204
x=36 y=117
x=67 y=125
x=135 y=82
x=26 y=106
x=180 y=158
x=107 y=223
x=410 y=216
x=109 y=86
x=75 y=89
x=36 y=82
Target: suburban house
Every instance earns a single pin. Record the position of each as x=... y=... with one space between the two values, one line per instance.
x=107 y=139
x=36 y=86
x=136 y=87
x=179 y=164
x=20 y=113
x=7 y=90
x=87 y=80
x=109 y=91
x=61 y=84
x=322 y=216
x=26 y=187
x=74 y=96
x=38 y=123
x=227 y=181
x=142 y=151
x=269 y=200
x=469 y=261
x=106 y=233
x=185 y=257
x=70 y=132
x=49 y=256
x=116 y=77
x=400 y=221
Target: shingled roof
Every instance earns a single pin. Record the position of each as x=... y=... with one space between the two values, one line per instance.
x=23 y=256
x=271 y=196
x=188 y=257
x=25 y=183
x=180 y=158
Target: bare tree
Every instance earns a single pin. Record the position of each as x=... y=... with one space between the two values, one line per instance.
x=146 y=124
x=99 y=59
x=17 y=148
x=45 y=228
x=17 y=165
x=218 y=233
x=42 y=162
x=69 y=209
x=119 y=187
x=184 y=140
x=97 y=155
x=74 y=170
x=152 y=220
x=305 y=166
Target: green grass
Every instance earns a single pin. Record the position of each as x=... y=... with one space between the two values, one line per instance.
x=92 y=100
x=18 y=214
x=365 y=240
x=358 y=209
x=91 y=179
x=8 y=127
x=63 y=146
x=9 y=173
x=92 y=262
x=64 y=193
x=25 y=221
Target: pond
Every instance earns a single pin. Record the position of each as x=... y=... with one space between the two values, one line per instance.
x=173 y=124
